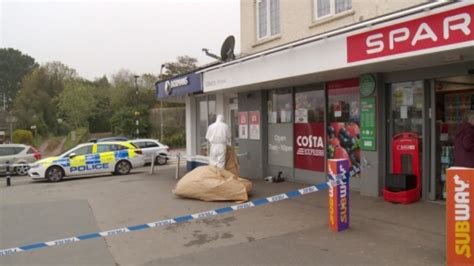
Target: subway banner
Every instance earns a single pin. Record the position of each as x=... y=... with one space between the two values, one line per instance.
x=459 y=216
x=338 y=194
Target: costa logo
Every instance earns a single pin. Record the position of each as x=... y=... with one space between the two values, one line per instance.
x=450 y=27
x=310 y=141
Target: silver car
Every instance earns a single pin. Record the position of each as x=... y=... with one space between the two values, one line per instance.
x=19 y=156
x=152 y=147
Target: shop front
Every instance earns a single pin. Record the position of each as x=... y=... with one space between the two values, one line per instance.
x=355 y=94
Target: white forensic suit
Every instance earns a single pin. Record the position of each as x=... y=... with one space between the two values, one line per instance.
x=218 y=134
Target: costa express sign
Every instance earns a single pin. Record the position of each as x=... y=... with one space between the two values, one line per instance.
x=309 y=146
x=449 y=27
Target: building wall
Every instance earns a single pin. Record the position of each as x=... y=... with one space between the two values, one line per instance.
x=296 y=20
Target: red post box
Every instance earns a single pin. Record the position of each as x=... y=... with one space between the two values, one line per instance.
x=406 y=172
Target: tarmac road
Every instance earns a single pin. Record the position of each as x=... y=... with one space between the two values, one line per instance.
x=291 y=232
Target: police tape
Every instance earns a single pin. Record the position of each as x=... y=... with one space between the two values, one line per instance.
x=180 y=219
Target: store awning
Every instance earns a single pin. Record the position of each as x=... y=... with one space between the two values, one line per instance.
x=403 y=40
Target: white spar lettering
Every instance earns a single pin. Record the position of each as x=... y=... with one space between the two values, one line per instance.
x=375 y=43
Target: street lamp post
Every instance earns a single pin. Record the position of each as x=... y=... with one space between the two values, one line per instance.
x=11 y=119
x=136 y=105
x=161 y=105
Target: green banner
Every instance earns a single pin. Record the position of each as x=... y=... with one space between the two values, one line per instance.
x=368 y=124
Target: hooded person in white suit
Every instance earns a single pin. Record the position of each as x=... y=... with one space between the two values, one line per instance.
x=218 y=134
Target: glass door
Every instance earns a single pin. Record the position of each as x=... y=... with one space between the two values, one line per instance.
x=407 y=114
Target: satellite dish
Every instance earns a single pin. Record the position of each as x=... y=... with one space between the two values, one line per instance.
x=227 y=49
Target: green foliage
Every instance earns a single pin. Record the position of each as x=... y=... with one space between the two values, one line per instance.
x=177 y=140
x=14 y=65
x=123 y=121
x=23 y=136
x=183 y=64
x=34 y=103
x=76 y=104
x=82 y=135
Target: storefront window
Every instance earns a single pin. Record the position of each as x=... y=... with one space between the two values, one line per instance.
x=309 y=137
x=280 y=128
x=407 y=107
x=343 y=131
x=206 y=115
x=280 y=106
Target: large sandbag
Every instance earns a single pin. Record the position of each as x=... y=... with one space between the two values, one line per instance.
x=231 y=161
x=210 y=183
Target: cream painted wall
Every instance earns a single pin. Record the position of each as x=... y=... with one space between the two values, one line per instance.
x=296 y=20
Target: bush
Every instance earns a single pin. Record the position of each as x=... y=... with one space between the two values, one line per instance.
x=177 y=140
x=23 y=136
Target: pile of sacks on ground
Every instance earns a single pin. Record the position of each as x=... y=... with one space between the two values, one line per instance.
x=211 y=183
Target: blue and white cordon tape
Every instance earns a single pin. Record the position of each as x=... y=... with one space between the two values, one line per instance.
x=180 y=219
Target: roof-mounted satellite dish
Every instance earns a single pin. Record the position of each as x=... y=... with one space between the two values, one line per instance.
x=227 y=49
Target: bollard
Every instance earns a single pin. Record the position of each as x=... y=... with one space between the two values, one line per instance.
x=178 y=162
x=460 y=216
x=153 y=163
x=338 y=194
x=8 y=174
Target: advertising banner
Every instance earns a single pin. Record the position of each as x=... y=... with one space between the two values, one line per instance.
x=254 y=118
x=367 y=124
x=280 y=145
x=338 y=194
x=460 y=216
x=243 y=125
x=309 y=146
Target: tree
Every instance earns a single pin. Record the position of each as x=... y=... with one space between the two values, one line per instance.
x=34 y=102
x=76 y=104
x=14 y=65
x=183 y=64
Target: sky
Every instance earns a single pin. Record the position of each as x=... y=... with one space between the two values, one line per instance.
x=102 y=37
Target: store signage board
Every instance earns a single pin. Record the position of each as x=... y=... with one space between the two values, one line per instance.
x=368 y=124
x=280 y=144
x=309 y=146
x=179 y=86
x=367 y=85
x=446 y=28
x=460 y=216
x=254 y=120
x=243 y=125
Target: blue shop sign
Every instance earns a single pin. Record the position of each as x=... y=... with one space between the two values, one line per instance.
x=179 y=86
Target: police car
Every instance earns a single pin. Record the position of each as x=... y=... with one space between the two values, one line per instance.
x=89 y=158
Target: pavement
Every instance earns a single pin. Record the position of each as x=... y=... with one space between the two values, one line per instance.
x=290 y=232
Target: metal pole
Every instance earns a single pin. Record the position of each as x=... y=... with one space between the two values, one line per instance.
x=153 y=163
x=136 y=104
x=161 y=119
x=8 y=174
x=178 y=157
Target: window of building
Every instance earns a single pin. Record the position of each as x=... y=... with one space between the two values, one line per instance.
x=310 y=105
x=268 y=18
x=280 y=106
x=206 y=115
x=326 y=8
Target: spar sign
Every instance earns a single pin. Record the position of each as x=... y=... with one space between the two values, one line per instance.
x=460 y=216
x=446 y=28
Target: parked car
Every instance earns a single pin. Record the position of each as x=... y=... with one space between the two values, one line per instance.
x=152 y=147
x=19 y=156
x=89 y=158
x=109 y=139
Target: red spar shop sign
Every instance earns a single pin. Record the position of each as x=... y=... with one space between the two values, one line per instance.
x=309 y=146
x=449 y=27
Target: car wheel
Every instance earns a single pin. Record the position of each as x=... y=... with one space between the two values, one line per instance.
x=54 y=174
x=22 y=169
x=161 y=159
x=123 y=168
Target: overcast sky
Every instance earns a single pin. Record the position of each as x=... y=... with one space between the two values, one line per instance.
x=102 y=37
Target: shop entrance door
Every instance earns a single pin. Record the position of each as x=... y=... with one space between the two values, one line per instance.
x=408 y=108
x=232 y=113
